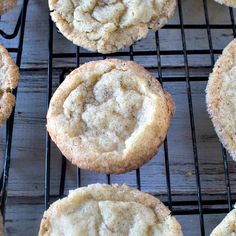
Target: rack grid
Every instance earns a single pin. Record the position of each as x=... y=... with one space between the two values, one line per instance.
x=199 y=207
x=18 y=36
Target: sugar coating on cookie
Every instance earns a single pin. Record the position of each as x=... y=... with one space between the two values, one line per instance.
x=6 y=5
x=109 y=25
x=230 y=3
x=227 y=227
x=9 y=76
x=221 y=98
x=109 y=116
x=109 y=210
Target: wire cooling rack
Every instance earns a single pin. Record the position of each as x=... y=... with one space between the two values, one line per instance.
x=182 y=207
x=18 y=35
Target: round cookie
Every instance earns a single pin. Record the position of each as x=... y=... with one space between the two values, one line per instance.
x=109 y=116
x=227 y=226
x=109 y=25
x=229 y=3
x=6 y=5
x=221 y=98
x=9 y=76
x=102 y=209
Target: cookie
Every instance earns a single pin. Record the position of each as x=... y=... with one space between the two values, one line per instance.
x=9 y=76
x=109 y=116
x=6 y=5
x=102 y=209
x=109 y=25
x=229 y=3
x=227 y=226
x=221 y=98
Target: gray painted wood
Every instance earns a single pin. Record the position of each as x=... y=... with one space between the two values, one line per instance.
x=26 y=183
x=29 y=140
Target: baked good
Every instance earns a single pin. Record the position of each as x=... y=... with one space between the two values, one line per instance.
x=221 y=98
x=227 y=227
x=109 y=25
x=109 y=116
x=104 y=210
x=9 y=76
x=6 y=5
x=229 y=3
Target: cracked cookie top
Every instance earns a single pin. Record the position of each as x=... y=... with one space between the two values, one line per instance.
x=108 y=210
x=109 y=116
x=228 y=225
x=109 y=25
x=9 y=76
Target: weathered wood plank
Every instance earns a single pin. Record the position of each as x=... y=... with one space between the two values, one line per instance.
x=29 y=147
x=37 y=32
x=28 y=150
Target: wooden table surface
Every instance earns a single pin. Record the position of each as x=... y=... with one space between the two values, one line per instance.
x=26 y=182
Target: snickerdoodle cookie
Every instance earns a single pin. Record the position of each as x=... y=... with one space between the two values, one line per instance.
x=229 y=3
x=9 y=76
x=227 y=227
x=104 y=210
x=6 y=5
x=109 y=116
x=109 y=25
x=221 y=98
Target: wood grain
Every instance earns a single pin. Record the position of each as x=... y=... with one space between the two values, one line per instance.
x=26 y=183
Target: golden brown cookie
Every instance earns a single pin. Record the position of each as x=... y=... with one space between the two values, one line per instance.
x=109 y=116
x=229 y=3
x=109 y=25
x=221 y=98
x=6 y=5
x=9 y=76
x=104 y=210
x=227 y=227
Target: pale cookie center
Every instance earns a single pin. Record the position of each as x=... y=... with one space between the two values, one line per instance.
x=4 y=81
x=228 y=101
x=101 y=18
x=107 y=218
x=106 y=110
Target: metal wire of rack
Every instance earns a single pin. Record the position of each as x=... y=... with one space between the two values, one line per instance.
x=198 y=207
x=16 y=34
